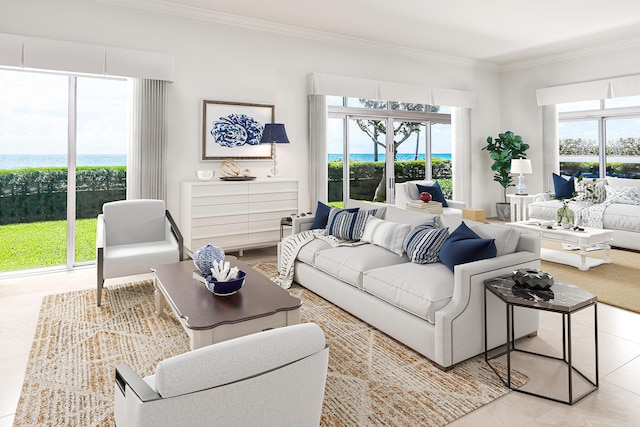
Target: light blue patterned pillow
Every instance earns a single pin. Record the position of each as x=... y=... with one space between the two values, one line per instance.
x=347 y=225
x=386 y=234
x=423 y=243
x=623 y=195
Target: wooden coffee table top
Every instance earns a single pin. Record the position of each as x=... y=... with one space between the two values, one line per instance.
x=202 y=309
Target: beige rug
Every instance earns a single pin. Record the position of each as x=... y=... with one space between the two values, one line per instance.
x=616 y=284
x=372 y=379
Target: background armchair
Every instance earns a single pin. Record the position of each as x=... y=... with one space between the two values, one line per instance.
x=133 y=236
x=270 y=378
x=407 y=191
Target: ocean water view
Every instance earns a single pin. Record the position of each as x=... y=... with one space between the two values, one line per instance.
x=401 y=157
x=19 y=161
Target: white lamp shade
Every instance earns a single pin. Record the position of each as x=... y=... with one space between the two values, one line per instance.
x=521 y=166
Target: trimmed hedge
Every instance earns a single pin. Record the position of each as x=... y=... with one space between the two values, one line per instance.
x=30 y=195
x=619 y=169
x=366 y=177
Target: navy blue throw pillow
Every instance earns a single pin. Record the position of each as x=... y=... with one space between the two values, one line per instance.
x=463 y=245
x=435 y=191
x=564 y=188
x=322 y=215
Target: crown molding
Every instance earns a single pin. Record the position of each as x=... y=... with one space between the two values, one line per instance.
x=573 y=54
x=197 y=13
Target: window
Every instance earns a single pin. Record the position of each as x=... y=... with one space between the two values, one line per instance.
x=600 y=138
x=365 y=160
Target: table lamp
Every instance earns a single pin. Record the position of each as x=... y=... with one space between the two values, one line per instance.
x=521 y=167
x=274 y=133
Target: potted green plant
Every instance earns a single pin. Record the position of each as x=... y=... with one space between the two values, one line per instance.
x=502 y=150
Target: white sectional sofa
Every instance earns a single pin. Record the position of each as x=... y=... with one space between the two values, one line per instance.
x=407 y=191
x=431 y=309
x=622 y=218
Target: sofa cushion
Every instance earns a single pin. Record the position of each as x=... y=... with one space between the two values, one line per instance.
x=419 y=289
x=463 y=245
x=506 y=238
x=321 y=215
x=348 y=263
x=387 y=234
x=547 y=210
x=564 y=188
x=618 y=216
x=623 y=195
x=423 y=243
x=622 y=182
x=435 y=191
x=308 y=252
x=347 y=225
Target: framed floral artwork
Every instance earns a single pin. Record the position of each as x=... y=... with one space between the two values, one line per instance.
x=232 y=130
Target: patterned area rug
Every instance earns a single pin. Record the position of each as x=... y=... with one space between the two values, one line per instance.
x=372 y=379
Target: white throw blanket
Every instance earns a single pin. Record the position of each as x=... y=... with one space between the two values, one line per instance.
x=588 y=214
x=290 y=247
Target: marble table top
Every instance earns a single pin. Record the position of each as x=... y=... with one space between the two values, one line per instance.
x=561 y=296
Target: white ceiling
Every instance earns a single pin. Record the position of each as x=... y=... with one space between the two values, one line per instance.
x=495 y=31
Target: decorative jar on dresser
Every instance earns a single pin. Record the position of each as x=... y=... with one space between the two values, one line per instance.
x=235 y=215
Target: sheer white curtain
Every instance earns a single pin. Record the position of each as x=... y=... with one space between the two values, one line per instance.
x=318 y=174
x=461 y=154
x=550 y=145
x=147 y=163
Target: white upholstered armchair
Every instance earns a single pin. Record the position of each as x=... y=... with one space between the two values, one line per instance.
x=133 y=236
x=270 y=378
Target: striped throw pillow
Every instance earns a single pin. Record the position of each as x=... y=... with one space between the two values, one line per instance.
x=423 y=243
x=386 y=234
x=347 y=225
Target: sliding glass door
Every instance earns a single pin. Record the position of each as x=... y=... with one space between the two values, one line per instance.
x=62 y=154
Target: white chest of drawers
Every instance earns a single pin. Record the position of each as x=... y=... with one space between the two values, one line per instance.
x=235 y=215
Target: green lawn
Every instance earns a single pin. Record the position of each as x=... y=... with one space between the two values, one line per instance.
x=43 y=244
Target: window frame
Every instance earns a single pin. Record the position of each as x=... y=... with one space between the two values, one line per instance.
x=346 y=113
x=601 y=116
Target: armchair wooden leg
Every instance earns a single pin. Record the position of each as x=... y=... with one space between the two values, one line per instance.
x=100 y=273
x=99 y=297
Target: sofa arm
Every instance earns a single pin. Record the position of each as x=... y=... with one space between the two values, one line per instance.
x=543 y=197
x=301 y=223
x=455 y=204
x=459 y=325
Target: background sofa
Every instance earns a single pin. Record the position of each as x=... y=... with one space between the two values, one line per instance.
x=431 y=309
x=621 y=215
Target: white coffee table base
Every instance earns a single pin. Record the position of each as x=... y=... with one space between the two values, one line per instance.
x=580 y=260
x=582 y=239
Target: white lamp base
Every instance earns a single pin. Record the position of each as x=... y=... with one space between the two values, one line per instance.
x=274 y=167
x=521 y=188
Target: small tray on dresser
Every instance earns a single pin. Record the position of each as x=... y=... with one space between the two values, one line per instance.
x=237 y=178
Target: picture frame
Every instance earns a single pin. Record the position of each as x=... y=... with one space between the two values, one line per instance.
x=232 y=130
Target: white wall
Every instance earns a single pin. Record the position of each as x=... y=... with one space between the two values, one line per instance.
x=221 y=62
x=520 y=112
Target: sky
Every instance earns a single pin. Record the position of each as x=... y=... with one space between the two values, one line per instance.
x=33 y=114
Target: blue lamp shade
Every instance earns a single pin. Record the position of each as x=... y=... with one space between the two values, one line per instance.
x=274 y=133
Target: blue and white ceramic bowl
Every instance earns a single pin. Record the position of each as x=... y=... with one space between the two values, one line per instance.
x=204 y=257
x=226 y=288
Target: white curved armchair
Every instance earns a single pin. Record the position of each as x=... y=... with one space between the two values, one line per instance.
x=133 y=236
x=270 y=378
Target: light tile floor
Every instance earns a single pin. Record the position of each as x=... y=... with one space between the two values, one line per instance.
x=617 y=402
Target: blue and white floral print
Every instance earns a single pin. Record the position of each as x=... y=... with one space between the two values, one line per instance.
x=237 y=130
